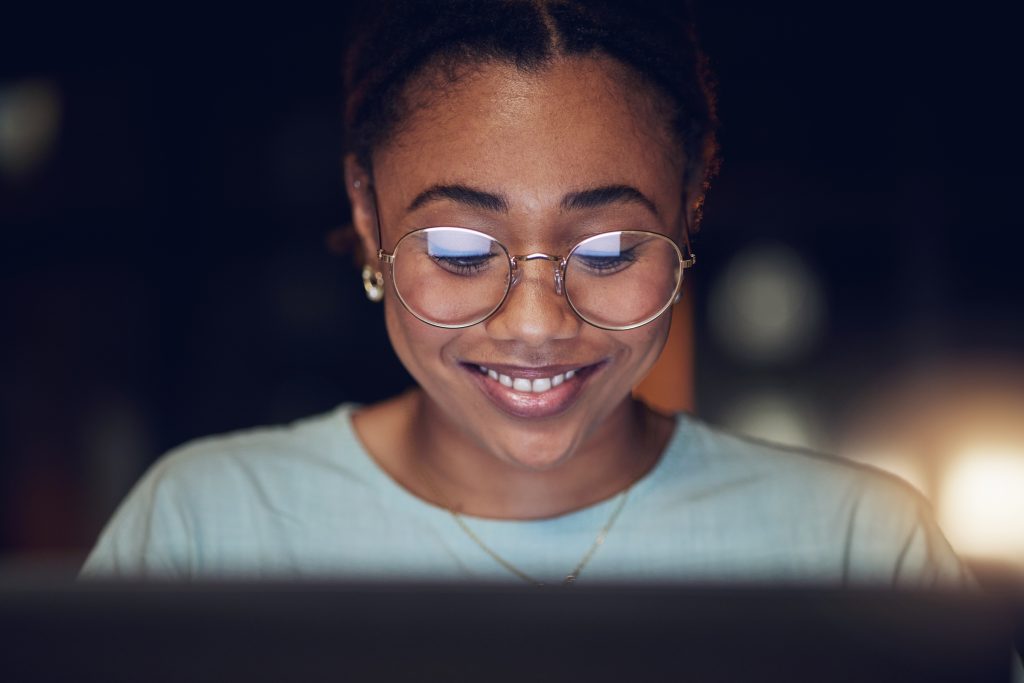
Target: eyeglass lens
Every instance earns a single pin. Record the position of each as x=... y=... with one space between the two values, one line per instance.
x=622 y=278
x=450 y=276
x=457 y=277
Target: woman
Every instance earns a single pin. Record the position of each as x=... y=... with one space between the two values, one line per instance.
x=524 y=178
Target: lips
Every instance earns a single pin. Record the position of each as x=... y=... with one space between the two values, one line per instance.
x=532 y=392
x=537 y=385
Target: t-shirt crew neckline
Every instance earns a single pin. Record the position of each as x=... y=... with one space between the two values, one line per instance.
x=403 y=497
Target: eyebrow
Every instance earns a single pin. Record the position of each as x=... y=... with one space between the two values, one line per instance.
x=593 y=198
x=462 y=194
x=603 y=196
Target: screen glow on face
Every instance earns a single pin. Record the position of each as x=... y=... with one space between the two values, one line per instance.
x=457 y=243
x=608 y=244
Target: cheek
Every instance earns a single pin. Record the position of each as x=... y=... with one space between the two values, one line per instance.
x=647 y=342
x=417 y=344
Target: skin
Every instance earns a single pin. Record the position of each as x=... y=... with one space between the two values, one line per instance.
x=530 y=138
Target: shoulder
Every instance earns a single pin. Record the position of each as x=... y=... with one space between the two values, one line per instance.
x=723 y=456
x=874 y=526
x=304 y=448
x=212 y=496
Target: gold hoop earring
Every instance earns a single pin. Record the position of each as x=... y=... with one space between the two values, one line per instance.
x=373 y=284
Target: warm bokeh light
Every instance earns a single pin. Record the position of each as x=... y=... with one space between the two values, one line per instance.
x=954 y=432
x=981 y=505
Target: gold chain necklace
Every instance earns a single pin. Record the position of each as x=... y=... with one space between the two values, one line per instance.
x=571 y=576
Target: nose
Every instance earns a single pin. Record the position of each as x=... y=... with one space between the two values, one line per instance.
x=534 y=312
x=555 y=261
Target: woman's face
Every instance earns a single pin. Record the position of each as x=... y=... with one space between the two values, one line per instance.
x=525 y=145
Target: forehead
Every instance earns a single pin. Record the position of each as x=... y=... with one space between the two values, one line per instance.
x=576 y=123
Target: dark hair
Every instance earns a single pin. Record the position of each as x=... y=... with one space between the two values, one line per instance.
x=402 y=39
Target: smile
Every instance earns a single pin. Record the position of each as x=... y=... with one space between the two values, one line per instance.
x=533 y=392
x=526 y=385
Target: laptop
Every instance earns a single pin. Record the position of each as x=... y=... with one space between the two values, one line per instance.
x=343 y=632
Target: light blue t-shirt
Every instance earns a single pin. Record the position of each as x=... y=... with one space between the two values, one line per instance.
x=307 y=501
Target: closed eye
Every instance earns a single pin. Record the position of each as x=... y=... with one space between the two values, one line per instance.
x=605 y=264
x=464 y=265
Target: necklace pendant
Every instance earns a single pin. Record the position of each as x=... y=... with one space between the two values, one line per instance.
x=569 y=580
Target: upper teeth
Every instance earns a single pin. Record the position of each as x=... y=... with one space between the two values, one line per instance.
x=536 y=386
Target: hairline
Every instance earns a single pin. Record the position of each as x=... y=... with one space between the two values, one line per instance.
x=442 y=75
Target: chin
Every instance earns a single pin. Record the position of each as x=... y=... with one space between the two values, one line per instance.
x=537 y=450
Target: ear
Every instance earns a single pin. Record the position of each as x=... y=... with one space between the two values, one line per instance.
x=364 y=215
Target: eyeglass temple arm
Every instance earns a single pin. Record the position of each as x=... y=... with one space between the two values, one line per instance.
x=691 y=259
x=381 y=254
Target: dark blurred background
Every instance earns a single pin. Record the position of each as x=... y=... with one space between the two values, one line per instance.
x=168 y=179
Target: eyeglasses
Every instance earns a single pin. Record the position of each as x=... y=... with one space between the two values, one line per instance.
x=454 y=277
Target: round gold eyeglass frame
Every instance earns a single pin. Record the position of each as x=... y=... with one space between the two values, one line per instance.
x=560 y=265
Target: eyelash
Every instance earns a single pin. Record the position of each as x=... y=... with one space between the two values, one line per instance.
x=474 y=264
x=605 y=263
x=463 y=265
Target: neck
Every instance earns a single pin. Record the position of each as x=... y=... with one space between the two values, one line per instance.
x=436 y=459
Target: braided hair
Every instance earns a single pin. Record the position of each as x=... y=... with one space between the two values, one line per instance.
x=398 y=42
